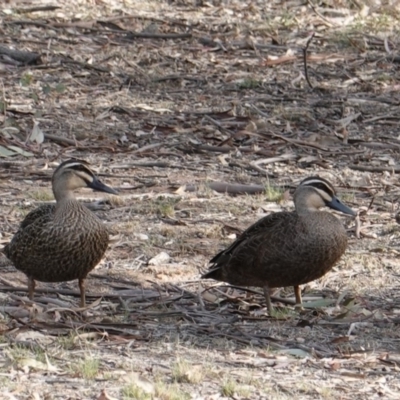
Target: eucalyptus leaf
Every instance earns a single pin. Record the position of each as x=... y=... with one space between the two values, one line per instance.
x=4 y=152
x=295 y=352
x=3 y=106
x=60 y=88
x=21 y=151
x=8 y=131
x=37 y=134
x=342 y=315
x=46 y=89
x=321 y=303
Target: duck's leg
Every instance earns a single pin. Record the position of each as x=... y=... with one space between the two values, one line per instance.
x=82 y=290
x=299 y=301
x=31 y=287
x=268 y=299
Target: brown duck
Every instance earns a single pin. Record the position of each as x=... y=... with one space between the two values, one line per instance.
x=65 y=241
x=287 y=248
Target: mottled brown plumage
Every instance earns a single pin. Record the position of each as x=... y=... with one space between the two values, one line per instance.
x=287 y=248
x=65 y=241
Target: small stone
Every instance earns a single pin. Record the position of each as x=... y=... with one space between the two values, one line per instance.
x=160 y=258
x=141 y=236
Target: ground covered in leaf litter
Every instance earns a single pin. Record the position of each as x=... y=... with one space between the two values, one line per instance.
x=171 y=102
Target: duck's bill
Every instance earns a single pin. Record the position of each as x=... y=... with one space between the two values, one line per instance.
x=96 y=184
x=336 y=204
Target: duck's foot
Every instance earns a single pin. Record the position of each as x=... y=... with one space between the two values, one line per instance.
x=82 y=290
x=268 y=300
x=297 y=294
x=299 y=307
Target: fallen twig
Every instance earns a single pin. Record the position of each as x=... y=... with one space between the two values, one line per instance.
x=305 y=59
x=230 y=188
x=149 y=35
x=36 y=9
x=326 y=21
x=18 y=57
x=374 y=169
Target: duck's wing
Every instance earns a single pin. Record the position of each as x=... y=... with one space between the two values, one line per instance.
x=264 y=225
x=35 y=220
x=45 y=211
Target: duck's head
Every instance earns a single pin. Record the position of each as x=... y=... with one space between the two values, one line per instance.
x=74 y=174
x=315 y=192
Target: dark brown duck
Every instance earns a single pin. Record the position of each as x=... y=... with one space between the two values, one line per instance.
x=65 y=241
x=287 y=248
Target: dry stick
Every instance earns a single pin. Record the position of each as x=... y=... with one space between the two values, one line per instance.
x=176 y=77
x=87 y=66
x=148 y=35
x=67 y=292
x=217 y=149
x=223 y=187
x=151 y=164
x=122 y=17
x=65 y=142
x=19 y=164
x=319 y=14
x=246 y=289
x=239 y=45
x=61 y=140
x=40 y=326
x=358 y=226
x=228 y=149
x=271 y=341
x=36 y=9
x=370 y=203
x=24 y=57
x=302 y=143
x=296 y=142
x=292 y=141
x=219 y=126
x=55 y=25
x=374 y=169
x=305 y=59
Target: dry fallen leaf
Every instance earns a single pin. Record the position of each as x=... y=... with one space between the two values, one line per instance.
x=37 y=134
x=28 y=364
x=139 y=381
x=105 y=396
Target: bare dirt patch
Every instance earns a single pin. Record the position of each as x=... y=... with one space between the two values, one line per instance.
x=171 y=101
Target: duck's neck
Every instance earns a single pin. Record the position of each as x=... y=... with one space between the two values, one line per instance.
x=69 y=209
x=304 y=203
x=305 y=212
x=64 y=198
x=62 y=193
